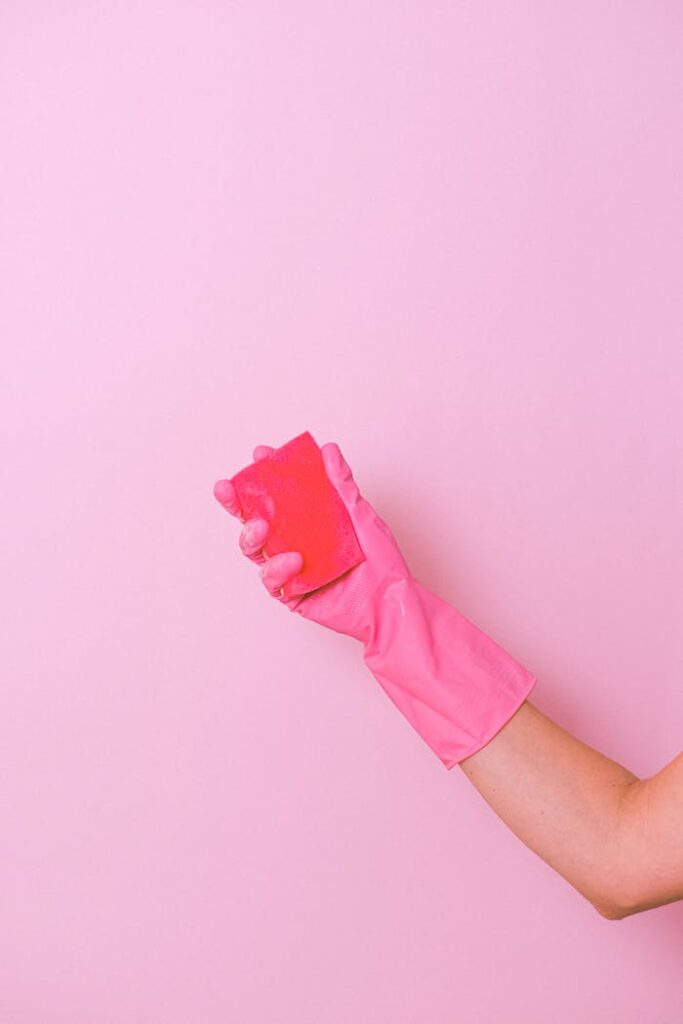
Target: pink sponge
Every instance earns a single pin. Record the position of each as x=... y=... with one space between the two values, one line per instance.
x=291 y=489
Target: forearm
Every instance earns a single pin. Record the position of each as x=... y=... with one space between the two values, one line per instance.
x=563 y=799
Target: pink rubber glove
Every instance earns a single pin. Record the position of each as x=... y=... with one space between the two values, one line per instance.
x=452 y=682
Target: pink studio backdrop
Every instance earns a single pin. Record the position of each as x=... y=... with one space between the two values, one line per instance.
x=447 y=237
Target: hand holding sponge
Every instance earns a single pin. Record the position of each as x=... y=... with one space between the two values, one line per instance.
x=291 y=490
x=327 y=555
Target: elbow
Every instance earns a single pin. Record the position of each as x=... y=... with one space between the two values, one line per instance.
x=617 y=910
x=617 y=905
x=617 y=896
x=612 y=911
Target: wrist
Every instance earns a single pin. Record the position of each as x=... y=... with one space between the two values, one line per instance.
x=453 y=683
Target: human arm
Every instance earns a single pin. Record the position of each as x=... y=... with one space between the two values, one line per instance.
x=615 y=838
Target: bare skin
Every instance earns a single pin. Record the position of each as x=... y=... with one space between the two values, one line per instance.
x=617 y=839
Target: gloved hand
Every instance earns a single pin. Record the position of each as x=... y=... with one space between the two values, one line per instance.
x=452 y=682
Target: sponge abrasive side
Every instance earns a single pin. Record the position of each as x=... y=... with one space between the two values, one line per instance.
x=290 y=488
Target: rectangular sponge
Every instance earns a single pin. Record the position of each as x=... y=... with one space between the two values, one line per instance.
x=290 y=488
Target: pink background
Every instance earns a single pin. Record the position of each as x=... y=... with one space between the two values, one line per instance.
x=447 y=237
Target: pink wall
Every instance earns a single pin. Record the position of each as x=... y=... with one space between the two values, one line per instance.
x=448 y=237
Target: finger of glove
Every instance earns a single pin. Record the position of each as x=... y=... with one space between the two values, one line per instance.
x=225 y=494
x=224 y=490
x=339 y=472
x=280 y=568
x=253 y=537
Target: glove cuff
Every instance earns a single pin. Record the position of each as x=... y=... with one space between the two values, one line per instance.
x=455 y=685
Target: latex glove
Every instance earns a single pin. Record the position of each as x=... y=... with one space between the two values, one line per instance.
x=454 y=684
